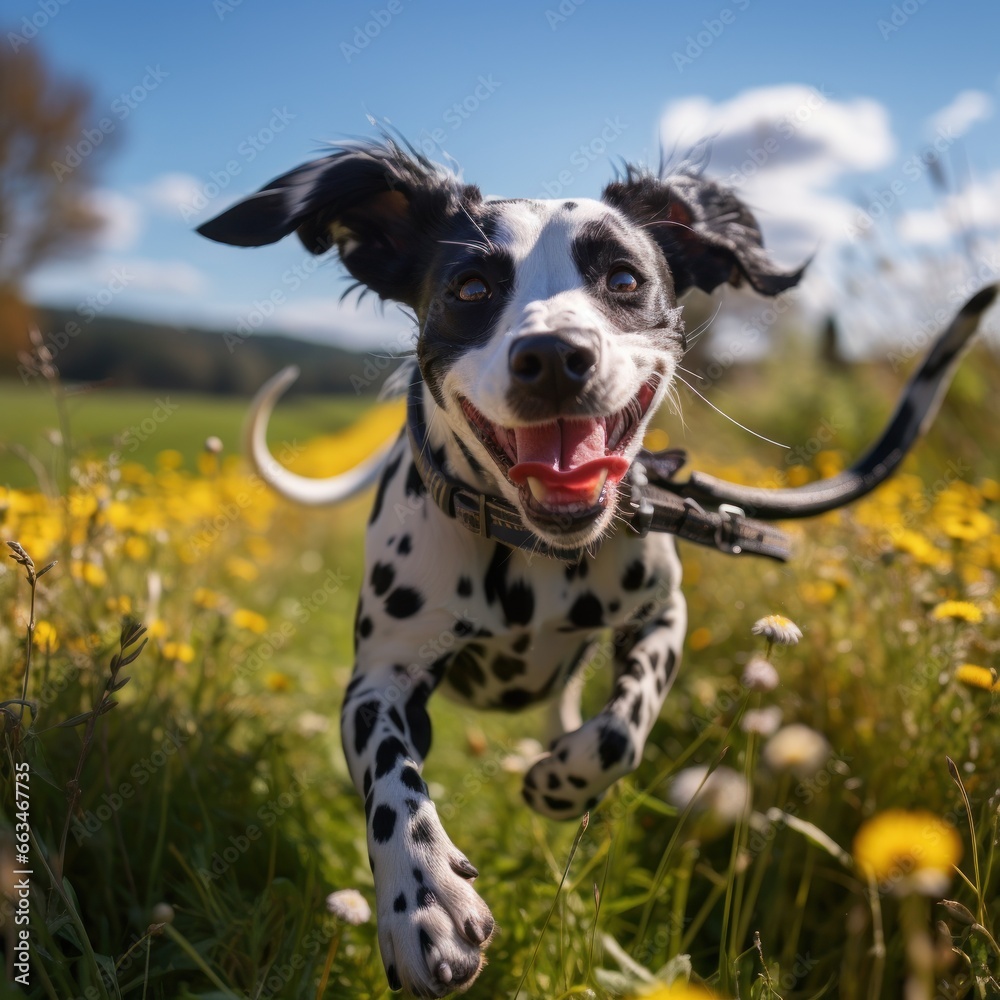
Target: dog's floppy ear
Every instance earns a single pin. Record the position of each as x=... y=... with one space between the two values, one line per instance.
x=706 y=233
x=376 y=203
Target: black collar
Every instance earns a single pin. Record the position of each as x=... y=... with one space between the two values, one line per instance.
x=645 y=506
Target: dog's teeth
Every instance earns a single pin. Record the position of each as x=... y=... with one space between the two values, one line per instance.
x=599 y=486
x=538 y=489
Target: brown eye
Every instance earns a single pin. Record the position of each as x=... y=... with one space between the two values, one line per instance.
x=474 y=290
x=622 y=281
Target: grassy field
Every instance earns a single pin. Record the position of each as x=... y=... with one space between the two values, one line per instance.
x=183 y=843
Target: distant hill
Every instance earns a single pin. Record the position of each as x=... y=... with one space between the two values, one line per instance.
x=135 y=353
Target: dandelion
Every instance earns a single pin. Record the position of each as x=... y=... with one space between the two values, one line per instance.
x=968 y=525
x=350 y=906
x=796 y=748
x=275 y=680
x=46 y=636
x=908 y=852
x=763 y=721
x=91 y=574
x=979 y=677
x=137 y=549
x=716 y=801
x=964 y=611
x=759 y=674
x=777 y=629
x=178 y=651
x=249 y=620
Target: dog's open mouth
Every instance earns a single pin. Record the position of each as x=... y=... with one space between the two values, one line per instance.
x=567 y=468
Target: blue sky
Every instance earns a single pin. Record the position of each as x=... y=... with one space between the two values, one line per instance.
x=212 y=98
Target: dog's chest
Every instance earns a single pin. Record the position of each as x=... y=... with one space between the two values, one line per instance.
x=502 y=628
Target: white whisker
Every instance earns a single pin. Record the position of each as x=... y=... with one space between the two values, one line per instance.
x=722 y=413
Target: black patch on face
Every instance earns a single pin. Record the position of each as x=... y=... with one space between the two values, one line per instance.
x=410 y=777
x=365 y=718
x=383 y=483
x=611 y=747
x=404 y=602
x=389 y=751
x=414 y=484
x=521 y=643
x=399 y=903
x=464 y=587
x=383 y=824
x=587 y=611
x=634 y=574
x=382 y=577
x=405 y=545
x=474 y=463
x=449 y=326
x=462 y=627
x=516 y=599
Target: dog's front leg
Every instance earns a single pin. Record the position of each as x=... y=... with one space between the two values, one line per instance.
x=584 y=763
x=432 y=924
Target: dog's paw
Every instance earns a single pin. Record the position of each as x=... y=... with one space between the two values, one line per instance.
x=573 y=777
x=432 y=925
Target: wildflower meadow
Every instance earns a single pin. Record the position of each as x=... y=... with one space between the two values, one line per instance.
x=817 y=813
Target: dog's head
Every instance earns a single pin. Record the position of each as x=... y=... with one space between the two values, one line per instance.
x=549 y=330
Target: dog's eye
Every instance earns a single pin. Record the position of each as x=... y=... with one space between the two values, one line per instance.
x=474 y=290
x=622 y=281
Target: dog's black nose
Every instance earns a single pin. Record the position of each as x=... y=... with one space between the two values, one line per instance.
x=556 y=366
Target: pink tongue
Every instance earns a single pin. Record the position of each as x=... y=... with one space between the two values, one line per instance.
x=562 y=445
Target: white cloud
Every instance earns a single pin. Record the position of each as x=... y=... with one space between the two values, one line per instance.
x=121 y=219
x=975 y=207
x=172 y=192
x=956 y=118
x=785 y=149
x=362 y=325
x=172 y=276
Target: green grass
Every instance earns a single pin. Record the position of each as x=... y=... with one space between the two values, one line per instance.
x=217 y=786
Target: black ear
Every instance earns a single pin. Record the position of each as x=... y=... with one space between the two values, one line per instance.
x=378 y=204
x=706 y=233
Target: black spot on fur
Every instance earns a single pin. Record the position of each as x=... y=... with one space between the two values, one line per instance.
x=412 y=806
x=569 y=205
x=369 y=802
x=382 y=577
x=516 y=698
x=521 y=643
x=396 y=719
x=614 y=606
x=563 y=754
x=576 y=781
x=462 y=627
x=418 y=874
x=367 y=781
x=399 y=903
x=517 y=599
x=579 y=569
x=474 y=462
x=365 y=627
x=390 y=471
x=426 y=941
x=414 y=484
x=425 y=898
x=405 y=545
x=383 y=824
x=636 y=713
x=554 y=781
x=587 y=611
x=364 y=722
x=389 y=751
x=464 y=586
x=611 y=747
x=404 y=602
x=635 y=573
x=418 y=720
x=393 y=976
x=411 y=778
x=422 y=832
x=554 y=803
x=529 y=780
x=505 y=668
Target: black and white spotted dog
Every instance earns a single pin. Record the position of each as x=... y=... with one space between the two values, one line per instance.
x=549 y=333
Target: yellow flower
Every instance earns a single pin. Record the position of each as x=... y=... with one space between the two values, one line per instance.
x=699 y=639
x=136 y=548
x=975 y=676
x=208 y=599
x=46 y=636
x=169 y=459
x=241 y=568
x=908 y=852
x=250 y=620
x=119 y=605
x=90 y=573
x=967 y=525
x=959 y=610
x=677 y=991
x=274 y=680
x=181 y=651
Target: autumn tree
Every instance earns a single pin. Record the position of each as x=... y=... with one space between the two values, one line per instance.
x=44 y=207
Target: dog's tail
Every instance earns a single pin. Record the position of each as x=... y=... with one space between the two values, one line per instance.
x=301 y=489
